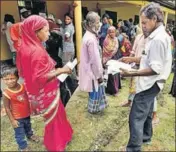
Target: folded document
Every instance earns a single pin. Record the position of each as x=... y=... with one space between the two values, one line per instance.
x=71 y=65
x=114 y=66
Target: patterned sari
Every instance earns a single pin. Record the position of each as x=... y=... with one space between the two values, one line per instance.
x=49 y=105
x=110 y=48
x=34 y=63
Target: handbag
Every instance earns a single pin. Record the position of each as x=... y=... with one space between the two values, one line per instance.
x=67 y=89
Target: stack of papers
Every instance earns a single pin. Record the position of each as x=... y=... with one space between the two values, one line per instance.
x=114 y=66
x=71 y=65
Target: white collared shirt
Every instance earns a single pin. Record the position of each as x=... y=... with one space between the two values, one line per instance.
x=157 y=56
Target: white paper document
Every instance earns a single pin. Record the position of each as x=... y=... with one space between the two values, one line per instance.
x=114 y=66
x=71 y=65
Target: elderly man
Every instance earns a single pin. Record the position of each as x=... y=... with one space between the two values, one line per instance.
x=155 y=67
x=91 y=69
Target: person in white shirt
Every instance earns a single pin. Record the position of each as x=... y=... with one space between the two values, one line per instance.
x=5 y=29
x=155 y=67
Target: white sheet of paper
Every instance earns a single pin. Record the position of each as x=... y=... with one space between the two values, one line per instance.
x=114 y=66
x=62 y=77
x=71 y=65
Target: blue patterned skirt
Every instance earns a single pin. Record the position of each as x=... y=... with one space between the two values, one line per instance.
x=97 y=100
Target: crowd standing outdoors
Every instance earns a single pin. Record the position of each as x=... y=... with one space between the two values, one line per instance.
x=41 y=47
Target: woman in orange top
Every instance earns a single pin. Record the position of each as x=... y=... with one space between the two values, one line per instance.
x=17 y=108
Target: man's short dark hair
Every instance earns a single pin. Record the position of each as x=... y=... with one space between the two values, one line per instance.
x=69 y=15
x=9 y=18
x=152 y=10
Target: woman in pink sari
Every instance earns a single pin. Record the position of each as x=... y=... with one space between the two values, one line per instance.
x=40 y=77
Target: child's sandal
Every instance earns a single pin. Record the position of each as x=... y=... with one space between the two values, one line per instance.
x=34 y=138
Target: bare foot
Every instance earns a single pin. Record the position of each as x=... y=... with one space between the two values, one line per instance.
x=155 y=121
x=34 y=138
x=3 y=112
x=125 y=104
x=115 y=95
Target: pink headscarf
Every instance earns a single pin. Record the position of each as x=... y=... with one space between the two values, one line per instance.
x=30 y=26
x=15 y=34
x=25 y=31
x=33 y=61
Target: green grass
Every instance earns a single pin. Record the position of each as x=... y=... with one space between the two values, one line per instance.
x=106 y=131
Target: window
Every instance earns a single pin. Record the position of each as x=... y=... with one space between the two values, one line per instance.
x=113 y=16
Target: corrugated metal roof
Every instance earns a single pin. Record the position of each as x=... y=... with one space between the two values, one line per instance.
x=167 y=3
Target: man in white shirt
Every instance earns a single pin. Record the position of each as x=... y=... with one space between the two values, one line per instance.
x=155 y=67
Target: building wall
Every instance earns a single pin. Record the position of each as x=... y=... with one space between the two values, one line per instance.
x=7 y=7
x=5 y=51
x=58 y=8
x=125 y=13
x=91 y=5
x=122 y=12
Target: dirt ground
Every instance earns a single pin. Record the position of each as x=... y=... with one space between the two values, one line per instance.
x=106 y=131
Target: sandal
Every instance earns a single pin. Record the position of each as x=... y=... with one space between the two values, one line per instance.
x=34 y=138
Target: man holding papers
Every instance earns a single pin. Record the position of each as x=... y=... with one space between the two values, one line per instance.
x=155 y=67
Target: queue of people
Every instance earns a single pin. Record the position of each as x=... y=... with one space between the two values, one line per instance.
x=37 y=42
